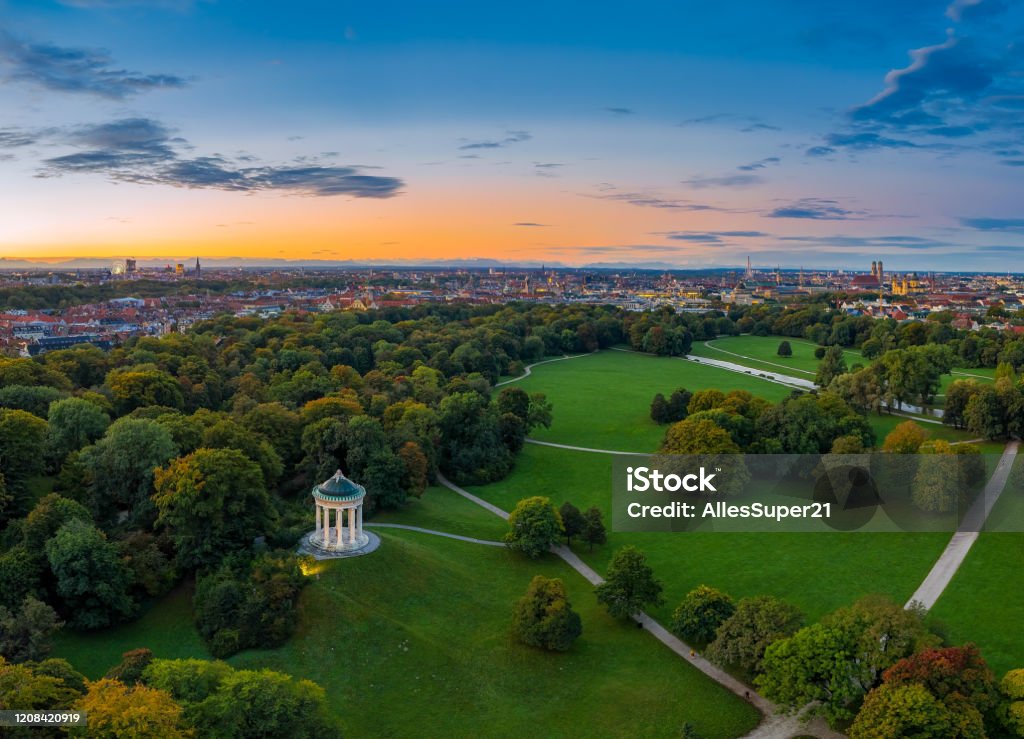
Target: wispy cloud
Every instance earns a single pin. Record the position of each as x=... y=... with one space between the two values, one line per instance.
x=511 y=137
x=814 y=209
x=531 y=224
x=1008 y=225
x=621 y=111
x=729 y=180
x=712 y=238
x=646 y=200
x=759 y=164
x=144 y=151
x=75 y=70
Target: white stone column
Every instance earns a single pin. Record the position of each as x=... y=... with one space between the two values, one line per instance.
x=359 y=520
x=352 y=525
x=319 y=523
x=325 y=522
x=339 y=523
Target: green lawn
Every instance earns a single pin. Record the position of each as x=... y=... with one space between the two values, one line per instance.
x=413 y=641
x=165 y=626
x=444 y=510
x=985 y=603
x=603 y=400
x=817 y=572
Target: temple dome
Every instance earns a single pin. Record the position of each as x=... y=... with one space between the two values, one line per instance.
x=338 y=487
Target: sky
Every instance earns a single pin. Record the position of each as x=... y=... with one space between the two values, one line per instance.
x=691 y=134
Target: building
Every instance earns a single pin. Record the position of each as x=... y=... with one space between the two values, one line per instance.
x=338 y=505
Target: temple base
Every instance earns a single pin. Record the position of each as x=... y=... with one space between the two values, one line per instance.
x=313 y=545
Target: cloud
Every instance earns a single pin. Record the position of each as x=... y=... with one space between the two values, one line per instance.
x=144 y=151
x=621 y=111
x=820 y=151
x=1011 y=225
x=961 y=10
x=814 y=209
x=12 y=138
x=531 y=224
x=116 y=4
x=66 y=69
x=546 y=169
x=731 y=180
x=865 y=140
x=889 y=241
x=645 y=200
x=712 y=238
x=759 y=164
x=747 y=123
x=511 y=137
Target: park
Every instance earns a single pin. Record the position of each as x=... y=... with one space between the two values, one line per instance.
x=422 y=619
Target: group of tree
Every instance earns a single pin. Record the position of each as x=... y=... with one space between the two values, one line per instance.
x=733 y=422
x=146 y=697
x=674 y=409
x=535 y=526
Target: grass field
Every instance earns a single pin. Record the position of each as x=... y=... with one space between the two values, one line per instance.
x=603 y=400
x=984 y=603
x=817 y=572
x=414 y=641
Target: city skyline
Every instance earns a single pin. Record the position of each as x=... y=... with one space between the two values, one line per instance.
x=679 y=135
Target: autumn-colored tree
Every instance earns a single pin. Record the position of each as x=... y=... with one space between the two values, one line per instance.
x=116 y=711
x=544 y=617
x=906 y=438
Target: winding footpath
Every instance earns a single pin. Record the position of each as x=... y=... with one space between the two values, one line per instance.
x=775 y=725
x=470 y=539
x=527 y=370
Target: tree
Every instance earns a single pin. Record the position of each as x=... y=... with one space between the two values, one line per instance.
x=678 y=404
x=939 y=485
x=534 y=526
x=757 y=622
x=700 y=614
x=132 y=388
x=122 y=465
x=48 y=685
x=212 y=502
x=544 y=617
x=34 y=399
x=956 y=674
x=573 y=521
x=835 y=662
x=906 y=438
x=629 y=584
x=73 y=424
x=985 y=413
x=659 y=409
x=1012 y=711
x=22 y=439
x=280 y=426
x=593 y=528
x=133 y=663
x=92 y=582
x=958 y=395
x=848 y=444
x=785 y=350
x=910 y=710
x=221 y=701
x=117 y=711
x=832 y=365
x=698 y=436
x=25 y=634
x=227 y=434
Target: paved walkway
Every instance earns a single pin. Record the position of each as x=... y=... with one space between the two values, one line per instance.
x=960 y=544
x=529 y=367
x=774 y=726
x=586 y=448
x=470 y=539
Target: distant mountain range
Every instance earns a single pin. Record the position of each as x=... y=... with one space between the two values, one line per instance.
x=247 y=262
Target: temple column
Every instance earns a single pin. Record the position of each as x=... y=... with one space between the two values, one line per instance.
x=359 y=520
x=325 y=530
x=319 y=521
x=352 y=525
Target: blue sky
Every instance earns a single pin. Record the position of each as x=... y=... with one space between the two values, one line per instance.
x=800 y=133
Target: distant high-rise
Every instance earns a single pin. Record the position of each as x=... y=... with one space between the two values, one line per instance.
x=130 y=266
x=750 y=272
x=881 y=272
x=874 y=269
